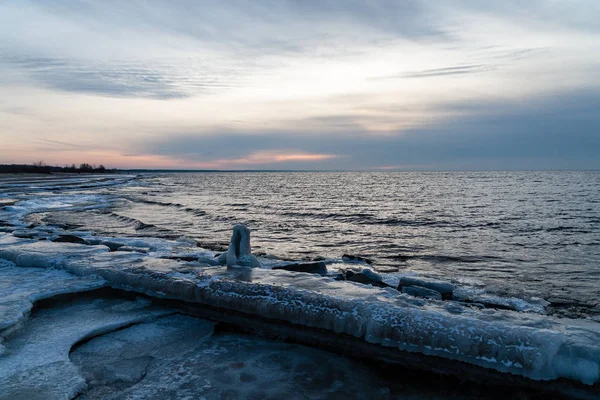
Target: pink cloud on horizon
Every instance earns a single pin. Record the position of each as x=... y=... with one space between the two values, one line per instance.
x=113 y=159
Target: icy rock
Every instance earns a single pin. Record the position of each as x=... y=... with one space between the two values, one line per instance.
x=69 y=239
x=185 y=258
x=201 y=259
x=338 y=276
x=444 y=288
x=111 y=245
x=531 y=305
x=366 y=277
x=372 y=275
x=239 y=252
x=24 y=234
x=206 y=260
x=311 y=268
x=419 y=291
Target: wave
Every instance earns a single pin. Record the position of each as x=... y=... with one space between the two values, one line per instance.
x=572 y=229
x=139 y=225
x=195 y=211
x=436 y=258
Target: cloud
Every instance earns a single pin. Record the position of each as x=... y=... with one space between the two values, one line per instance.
x=554 y=132
x=456 y=70
x=303 y=84
x=445 y=71
x=262 y=158
x=278 y=156
x=118 y=79
x=243 y=23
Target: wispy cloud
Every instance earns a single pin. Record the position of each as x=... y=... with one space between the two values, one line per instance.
x=456 y=70
x=444 y=71
x=158 y=80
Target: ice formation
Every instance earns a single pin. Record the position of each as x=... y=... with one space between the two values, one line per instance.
x=529 y=345
x=239 y=252
x=445 y=289
x=177 y=357
x=21 y=287
x=419 y=291
x=36 y=362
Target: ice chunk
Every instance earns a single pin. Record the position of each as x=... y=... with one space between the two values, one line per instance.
x=239 y=252
x=318 y=267
x=418 y=291
x=372 y=275
x=479 y=295
x=444 y=288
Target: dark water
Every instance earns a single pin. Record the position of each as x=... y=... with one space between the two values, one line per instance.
x=515 y=233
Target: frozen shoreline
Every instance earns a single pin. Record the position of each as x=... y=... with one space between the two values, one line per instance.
x=528 y=345
x=489 y=345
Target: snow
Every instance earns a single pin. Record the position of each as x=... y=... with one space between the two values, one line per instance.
x=530 y=345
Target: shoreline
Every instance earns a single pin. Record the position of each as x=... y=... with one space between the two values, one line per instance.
x=318 y=311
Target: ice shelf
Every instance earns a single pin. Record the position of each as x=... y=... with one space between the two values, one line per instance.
x=529 y=345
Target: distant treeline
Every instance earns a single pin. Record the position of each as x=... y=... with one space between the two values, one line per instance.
x=41 y=168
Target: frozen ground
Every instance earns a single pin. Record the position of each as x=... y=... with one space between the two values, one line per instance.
x=99 y=347
x=110 y=345
x=178 y=358
x=21 y=287
x=35 y=363
x=529 y=345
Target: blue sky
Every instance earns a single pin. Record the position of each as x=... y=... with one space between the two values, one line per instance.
x=302 y=84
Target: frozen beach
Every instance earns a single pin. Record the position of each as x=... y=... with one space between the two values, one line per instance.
x=99 y=291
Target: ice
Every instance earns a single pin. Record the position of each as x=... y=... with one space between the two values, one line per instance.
x=372 y=275
x=530 y=345
x=419 y=291
x=444 y=288
x=176 y=357
x=14 y=186
x=21 y=287
x=73 y=202
x=239 y=251
x=36 y=365
x=479 y=295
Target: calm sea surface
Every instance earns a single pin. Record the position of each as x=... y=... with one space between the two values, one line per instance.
x=513 y=233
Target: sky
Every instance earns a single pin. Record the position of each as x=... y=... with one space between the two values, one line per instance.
x=305 y=84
